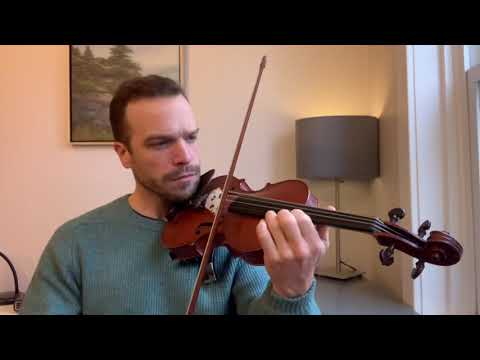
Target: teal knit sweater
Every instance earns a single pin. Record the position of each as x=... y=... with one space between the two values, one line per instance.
x=111 y=261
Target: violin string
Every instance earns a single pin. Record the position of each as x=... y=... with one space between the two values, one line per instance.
x=259 y=212
x=316 y=211
x=378 y=225
x=381 y=228
x=354 y=225
x=263 y=209
x=282 y=202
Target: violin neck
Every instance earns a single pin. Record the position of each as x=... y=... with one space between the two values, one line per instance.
x=255 y=206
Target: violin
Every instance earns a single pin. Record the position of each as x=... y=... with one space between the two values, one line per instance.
x=224 y=211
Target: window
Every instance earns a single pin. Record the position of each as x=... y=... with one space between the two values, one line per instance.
x=474 y=55
x=473 y=79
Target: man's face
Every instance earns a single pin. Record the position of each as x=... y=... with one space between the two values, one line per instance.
x=163 y=155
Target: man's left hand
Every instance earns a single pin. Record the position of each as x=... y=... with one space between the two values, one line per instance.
x=292 y=246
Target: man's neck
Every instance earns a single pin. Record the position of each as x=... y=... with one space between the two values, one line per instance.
x=148 y=204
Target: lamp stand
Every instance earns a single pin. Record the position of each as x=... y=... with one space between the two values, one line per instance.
x=338 y=273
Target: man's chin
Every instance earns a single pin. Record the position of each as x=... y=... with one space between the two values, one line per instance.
x=179 y=197
x=184 y=192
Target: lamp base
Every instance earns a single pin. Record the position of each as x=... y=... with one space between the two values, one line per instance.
x=343 y=275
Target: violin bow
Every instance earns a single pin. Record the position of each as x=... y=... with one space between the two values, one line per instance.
x=209 y=246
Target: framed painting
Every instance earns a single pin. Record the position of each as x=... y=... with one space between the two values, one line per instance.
x=95 y=73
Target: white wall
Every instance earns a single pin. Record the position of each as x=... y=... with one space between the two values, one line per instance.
x=45 y=181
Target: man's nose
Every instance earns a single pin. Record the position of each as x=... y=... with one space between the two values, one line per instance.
x=182 y=152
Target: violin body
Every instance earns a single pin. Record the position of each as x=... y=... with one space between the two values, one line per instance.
x=186 y=233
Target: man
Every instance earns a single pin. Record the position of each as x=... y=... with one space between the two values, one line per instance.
x=111 y=260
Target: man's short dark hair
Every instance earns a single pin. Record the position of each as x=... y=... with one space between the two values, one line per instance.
x=134 y=89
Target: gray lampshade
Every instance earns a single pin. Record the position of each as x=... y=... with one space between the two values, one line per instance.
x=337 y=147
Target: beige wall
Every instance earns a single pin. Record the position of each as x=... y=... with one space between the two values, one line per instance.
x=387 y=90
x=45 y=181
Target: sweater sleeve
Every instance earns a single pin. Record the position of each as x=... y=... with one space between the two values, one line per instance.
x=254 y=295
x=55 y=286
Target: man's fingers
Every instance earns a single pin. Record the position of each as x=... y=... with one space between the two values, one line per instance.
x=277 y=233
x=266 y=241
x=323 y=230
x=290 y=227
x=310 y=233
x=292 y=234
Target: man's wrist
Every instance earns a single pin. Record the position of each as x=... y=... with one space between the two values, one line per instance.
x=291 y=293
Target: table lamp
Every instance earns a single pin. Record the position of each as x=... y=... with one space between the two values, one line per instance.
x=337 y=148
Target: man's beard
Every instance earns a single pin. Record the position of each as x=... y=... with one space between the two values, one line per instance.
x=162 y=189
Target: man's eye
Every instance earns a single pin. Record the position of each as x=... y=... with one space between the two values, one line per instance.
x=192 y=138
x=160 y=144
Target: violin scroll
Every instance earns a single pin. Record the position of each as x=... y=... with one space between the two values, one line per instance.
x=441 y=249
x=438 y=249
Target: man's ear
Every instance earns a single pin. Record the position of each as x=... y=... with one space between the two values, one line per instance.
x=123 y=154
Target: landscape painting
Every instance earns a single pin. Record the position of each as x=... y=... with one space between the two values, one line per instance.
x=95 y=73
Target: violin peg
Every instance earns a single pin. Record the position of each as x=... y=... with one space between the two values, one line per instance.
x=417 y=270
x=386 y=255
x=422 y=229
x=396 y=215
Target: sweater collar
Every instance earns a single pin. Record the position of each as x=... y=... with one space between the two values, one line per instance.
x=145 y=221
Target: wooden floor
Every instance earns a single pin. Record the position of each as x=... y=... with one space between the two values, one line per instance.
x=357 y=297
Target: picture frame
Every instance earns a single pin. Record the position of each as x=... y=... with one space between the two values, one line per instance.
x=95 y=73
